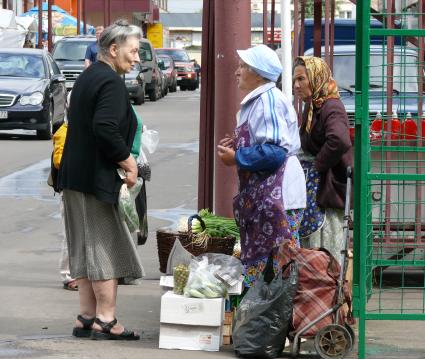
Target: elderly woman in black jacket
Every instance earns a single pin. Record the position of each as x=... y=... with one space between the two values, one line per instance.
x=101 y=130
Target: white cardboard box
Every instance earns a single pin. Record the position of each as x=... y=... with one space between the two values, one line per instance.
x=168 y=282
x=177 y=309
x=189 y=337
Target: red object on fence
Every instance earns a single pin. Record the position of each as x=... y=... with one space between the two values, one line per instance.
x=395 y=127
x=408 y=128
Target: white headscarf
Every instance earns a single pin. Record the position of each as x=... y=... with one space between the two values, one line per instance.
x=263 y=60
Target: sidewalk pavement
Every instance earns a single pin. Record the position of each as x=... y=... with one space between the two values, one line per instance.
x=37 y=315
x=138 y=308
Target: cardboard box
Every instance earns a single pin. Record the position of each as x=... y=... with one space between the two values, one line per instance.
x=228 y=317
x=177 y=309
x=189 y=337
x=227 y=340
x=168 y=282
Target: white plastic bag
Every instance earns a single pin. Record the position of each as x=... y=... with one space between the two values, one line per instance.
x=202 y=282
x=150 y=139
x=127 y=205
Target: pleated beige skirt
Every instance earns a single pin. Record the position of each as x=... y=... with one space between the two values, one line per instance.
x=99 y=242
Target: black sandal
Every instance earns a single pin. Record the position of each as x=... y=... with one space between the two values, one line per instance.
x=106 y=334
x=86 y=330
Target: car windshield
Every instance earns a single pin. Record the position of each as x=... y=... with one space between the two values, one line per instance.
x=166 y=61
x=71 y=50
x=405 y=72
x=20 y=65
x=176 y=54
x=145 y=52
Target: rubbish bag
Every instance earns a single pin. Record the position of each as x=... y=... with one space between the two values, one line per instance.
x=178 y=255
x=262 y=320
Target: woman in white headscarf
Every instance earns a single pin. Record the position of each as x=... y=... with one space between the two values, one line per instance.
x=272 y=191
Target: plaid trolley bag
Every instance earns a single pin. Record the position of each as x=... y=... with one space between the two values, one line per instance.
x=317 y=289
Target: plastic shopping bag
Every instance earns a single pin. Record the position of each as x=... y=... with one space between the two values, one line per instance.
x=202 y=282
x=262 y=320
x=150 y=140
x=142 y=211
x=127 y=205
x=143 y=167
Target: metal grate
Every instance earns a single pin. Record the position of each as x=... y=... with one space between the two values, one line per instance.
x=389 y=226
x=71 y=75
x=6 y=100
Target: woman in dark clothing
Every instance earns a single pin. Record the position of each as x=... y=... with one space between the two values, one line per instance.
x=101 y=130
x=326 y=148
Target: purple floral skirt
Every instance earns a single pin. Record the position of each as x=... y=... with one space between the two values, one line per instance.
x=253 y=270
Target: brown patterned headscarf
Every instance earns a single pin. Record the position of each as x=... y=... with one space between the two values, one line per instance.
x=322 y=84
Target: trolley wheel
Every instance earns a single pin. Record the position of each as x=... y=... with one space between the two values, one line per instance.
x=333 y=342
x=352 y=334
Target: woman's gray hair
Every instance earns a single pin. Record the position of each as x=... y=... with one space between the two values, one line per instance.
x=117 y=33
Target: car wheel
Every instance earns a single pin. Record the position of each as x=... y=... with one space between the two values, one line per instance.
x=140 y=98
x=48 y=132
x=153 y=95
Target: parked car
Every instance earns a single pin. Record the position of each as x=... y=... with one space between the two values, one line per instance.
x=187 y=77
x=135 y=83
x=164 y=78
x=69 y=54
x=32 y=91
x=170 y=71
x=152 y=74
x=405 y=81
x=345 y=33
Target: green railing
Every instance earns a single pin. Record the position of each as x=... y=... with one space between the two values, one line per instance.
x=389 y=217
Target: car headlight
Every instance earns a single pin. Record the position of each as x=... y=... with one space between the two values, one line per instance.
x=189 y=68
x=131 y=82
x=34 y=99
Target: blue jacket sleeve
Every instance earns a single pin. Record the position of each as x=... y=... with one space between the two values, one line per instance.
x=88 y=53
x=265 y=157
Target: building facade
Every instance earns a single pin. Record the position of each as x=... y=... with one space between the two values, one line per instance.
x=345 y=8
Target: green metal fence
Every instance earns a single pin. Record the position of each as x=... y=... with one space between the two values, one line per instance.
x=389 y=229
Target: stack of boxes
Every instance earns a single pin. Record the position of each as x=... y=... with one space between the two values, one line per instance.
x=191 y=323
x=194 y=323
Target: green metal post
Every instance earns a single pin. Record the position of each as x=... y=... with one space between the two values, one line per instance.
x=361 y=167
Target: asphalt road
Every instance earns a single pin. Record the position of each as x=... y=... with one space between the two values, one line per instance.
x=36 y=314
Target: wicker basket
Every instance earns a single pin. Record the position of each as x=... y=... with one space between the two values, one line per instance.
x=165 y=241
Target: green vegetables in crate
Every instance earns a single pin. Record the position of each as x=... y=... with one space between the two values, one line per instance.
x=215 y=226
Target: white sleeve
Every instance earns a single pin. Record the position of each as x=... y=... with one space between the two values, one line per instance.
x=273 y=120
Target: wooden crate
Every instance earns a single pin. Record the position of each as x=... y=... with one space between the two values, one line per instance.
x=227 y=328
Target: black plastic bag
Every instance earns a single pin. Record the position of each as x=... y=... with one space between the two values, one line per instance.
x=262 y=320
x=142 y=211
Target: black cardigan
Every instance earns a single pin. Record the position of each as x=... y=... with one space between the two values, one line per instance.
x=101 y=130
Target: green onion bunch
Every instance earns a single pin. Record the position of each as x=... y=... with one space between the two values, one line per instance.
x=215 y=226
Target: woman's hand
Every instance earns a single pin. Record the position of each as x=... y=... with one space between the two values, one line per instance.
x=227 y=141
x=131 y=178
x=227 y=155
x=130 y=167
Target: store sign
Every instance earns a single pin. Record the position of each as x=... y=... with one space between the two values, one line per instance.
x=277 y=35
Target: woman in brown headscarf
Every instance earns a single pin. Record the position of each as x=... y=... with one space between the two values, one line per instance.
x=327 y=151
